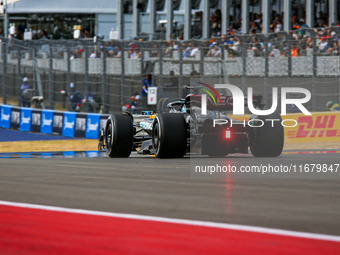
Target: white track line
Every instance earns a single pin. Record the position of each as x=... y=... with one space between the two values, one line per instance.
x=180 y=221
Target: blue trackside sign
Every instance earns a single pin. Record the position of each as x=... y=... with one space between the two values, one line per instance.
x=25 y=119
x=69 y=124
x=46 y=121
x=5 y=118
x=92 y=126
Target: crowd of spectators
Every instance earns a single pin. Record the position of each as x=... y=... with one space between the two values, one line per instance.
x=300 y=42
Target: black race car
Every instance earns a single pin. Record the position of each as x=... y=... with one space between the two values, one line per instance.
x=184 y=130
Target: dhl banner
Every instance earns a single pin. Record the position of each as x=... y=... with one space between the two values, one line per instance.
x=319 y=127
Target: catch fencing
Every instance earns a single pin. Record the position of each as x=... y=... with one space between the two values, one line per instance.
x=114 y=70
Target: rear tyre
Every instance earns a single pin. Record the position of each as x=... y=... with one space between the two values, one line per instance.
x=169 y=135
x=268 y=140
x=119 y=136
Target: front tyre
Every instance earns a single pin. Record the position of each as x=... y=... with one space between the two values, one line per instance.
x=119 y=136
x=268 y=140
x=169 y=135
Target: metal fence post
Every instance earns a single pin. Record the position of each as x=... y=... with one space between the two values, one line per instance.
x=315 y=89
x=244 y=63
x=122 y=76
x=68 y=64
x=289 y=60
x=4 y=78
x=337 y=30
x=202 y=60
x=244 y=69
x=266 y=68
x=141 y=62
x=161 y=69
x=68 y=74
x=314 y=71
x=180 y=78
x=51 y=78
x=289 y=55
x=104 y=97
x=86 y=76
x=19 y=72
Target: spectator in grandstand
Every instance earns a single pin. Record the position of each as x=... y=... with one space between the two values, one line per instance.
x=236 y=44
x=231 y=52
x=80 y=53
x=210 y=51
x=252 y=47
x=216 y=21
x=73 y=55
x=43 y=35
x=214 y=50
x=233 y=47
x=111 y=50
x=331 y=44
x=82 y=33
x=335 y=47
x=169 y=48
x=118 y=52
x=137 y=53
x=332 y=106
x=190 y=51
x=93 y=55
x=155 y=51
x=147 y=82
x=279 y=26
x=295 y=50
x=77 y=54
x=26 y=93
x=88 y=33
x=323 y=46
x=258 y=21
x=274 y=51
x=254 y=28
x=308 y=42
x=224 y=38
x=132 y=52
x=238 y=12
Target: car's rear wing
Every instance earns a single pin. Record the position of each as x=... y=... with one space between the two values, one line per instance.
x=215 y=104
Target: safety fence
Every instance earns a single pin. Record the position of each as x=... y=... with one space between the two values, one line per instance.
x=113 y=71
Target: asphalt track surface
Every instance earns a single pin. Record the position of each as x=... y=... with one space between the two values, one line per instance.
x=163 y=187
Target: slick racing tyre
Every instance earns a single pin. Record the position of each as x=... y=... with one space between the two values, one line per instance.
x=119 y=136
x=169 y=135
x=268 y=140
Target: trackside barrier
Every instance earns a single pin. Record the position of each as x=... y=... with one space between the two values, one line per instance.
x=320 y=127
x=69 y=124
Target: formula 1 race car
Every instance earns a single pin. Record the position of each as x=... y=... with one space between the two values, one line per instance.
x=185 y=130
